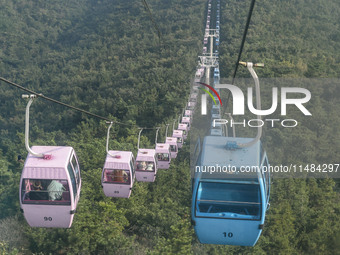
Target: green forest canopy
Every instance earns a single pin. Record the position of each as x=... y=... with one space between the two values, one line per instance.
x=105 y=57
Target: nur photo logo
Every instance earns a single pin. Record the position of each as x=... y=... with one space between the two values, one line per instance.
x=204 y=97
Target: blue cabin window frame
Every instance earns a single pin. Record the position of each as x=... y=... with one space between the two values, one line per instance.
x=230 y=218
x=266 y=177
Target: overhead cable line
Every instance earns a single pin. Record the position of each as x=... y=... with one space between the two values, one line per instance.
x=146 y=6
x=242 y=44
x=67 y=105
x=243 y=38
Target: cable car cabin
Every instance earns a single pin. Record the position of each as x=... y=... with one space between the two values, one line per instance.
x=218 y=130
x=205 y=41
x=195 y=89
x=163 y=155
x=202 y=69
x=178 y=134
x=146 y=165
x=191 y=106
x=118 y=174
x=188 y=113
x=215 y=116
x=216 y=80
x=50 y=187
x=184 y=128
x=193 y=98
x=197 y=76
x=173 y=146
x=216 y=71
x=230 y=207
x=186 y=120
x=204 y=49
x=215 y=97
x=216 y=109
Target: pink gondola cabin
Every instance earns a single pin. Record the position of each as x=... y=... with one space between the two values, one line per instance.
x=163 y=155
x=118 y=174
x=184 y=128
x=178 y=134
x=173 y=146
x=50 y=187
x=186 y=120
x=146 y=165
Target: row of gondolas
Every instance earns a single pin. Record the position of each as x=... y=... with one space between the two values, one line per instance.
x=51 y=181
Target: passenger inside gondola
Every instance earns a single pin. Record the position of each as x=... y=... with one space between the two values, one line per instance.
x=55 y=190
x=160 y=156
x=116 y=176
x=38 y=190
x=45 y=191
x=150 y=166
x=121 y=176
x=163 y=156
x=141 y=165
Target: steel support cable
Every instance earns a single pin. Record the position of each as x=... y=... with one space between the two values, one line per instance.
x=67 y=105
x=242 y=44
x=146 y=6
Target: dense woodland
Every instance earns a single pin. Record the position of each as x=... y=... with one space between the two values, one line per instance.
x=105 y=57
